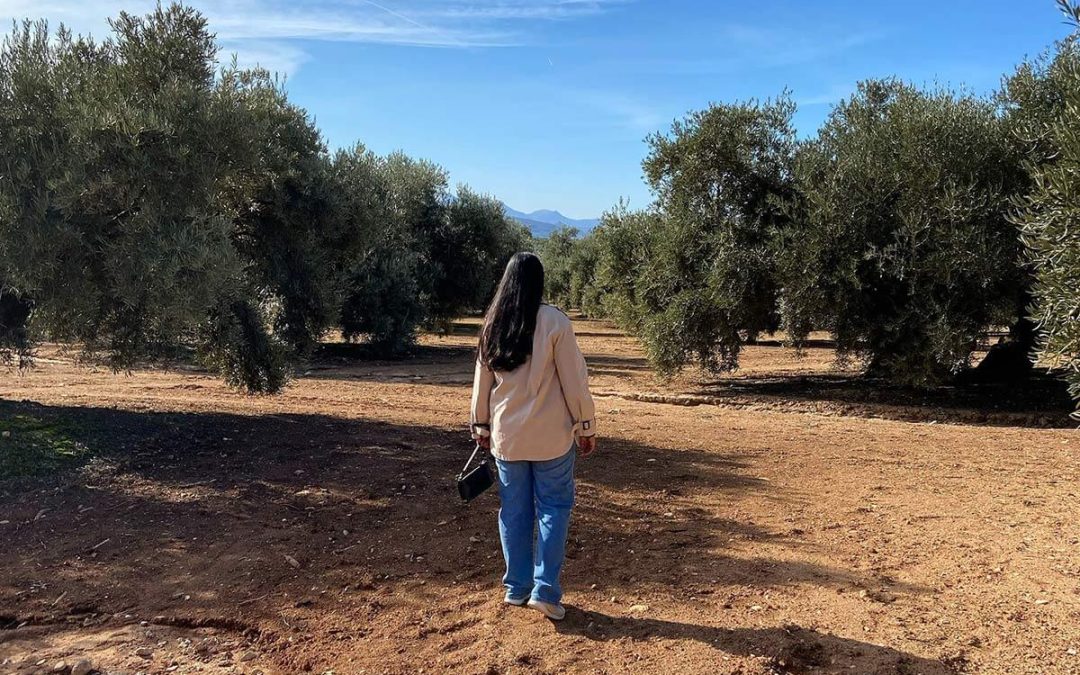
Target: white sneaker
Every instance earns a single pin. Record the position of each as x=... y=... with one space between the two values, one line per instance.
x=551 y=611
x=516 y=602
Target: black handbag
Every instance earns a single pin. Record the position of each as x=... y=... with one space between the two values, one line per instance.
x=472 y=483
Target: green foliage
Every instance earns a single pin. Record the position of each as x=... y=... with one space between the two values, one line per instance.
x=556 y=251
x=461 y=241
x=904 y=251
x=622 y=243
x=1034 y=97
x=383 y=303
x=109 y=219
x=1050 y=212
x=583 y=261
x=472 y=250
x=1071 y=10
x=408 y=252
x=145 y=195
x=695 y=277
x=419 y=198
x=378 y=258
x=235 y=342
x=890 y=229
x=153 y=206
x=284 y=207
x=570 y=270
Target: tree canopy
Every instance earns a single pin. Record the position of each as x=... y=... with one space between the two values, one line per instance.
x=903 y=248
x=914 y=224
x=155 y=205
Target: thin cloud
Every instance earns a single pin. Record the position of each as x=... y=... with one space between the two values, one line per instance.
x=775 y=47
x=739 y=48
x=548 y=11
x=273 y=56
x=267 y=31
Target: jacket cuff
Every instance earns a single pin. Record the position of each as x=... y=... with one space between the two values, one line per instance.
x=585 y=428
x=481 y=431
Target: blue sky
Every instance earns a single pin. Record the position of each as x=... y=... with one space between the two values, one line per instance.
x=545 y=103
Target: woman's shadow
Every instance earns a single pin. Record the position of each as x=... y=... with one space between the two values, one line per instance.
x=790 y=648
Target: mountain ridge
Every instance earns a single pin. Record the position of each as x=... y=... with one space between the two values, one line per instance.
x=543 y=222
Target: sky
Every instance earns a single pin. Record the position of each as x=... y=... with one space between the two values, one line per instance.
x=546 y=103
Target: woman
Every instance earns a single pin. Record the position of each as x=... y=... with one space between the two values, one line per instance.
x=530 y=404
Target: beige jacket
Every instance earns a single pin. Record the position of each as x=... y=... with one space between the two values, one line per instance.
x=535 y=411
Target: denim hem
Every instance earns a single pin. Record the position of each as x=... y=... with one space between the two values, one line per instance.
x=550 y=601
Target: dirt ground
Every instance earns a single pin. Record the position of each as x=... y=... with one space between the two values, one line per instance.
x=786 y=518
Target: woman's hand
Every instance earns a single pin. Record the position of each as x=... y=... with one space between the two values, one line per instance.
x=484 y=442
x=586 y=445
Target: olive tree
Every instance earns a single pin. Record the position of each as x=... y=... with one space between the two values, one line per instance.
x=556 y=251
x=584 y=258
x=279 y=198
x=154 y=205
x=409 y=253
x=622 y=242
x=472 y=249
x=903 y=249
x=109 y=215
x=570 y=262
x=1045 y=99
x=721 y=177
x=376 y=259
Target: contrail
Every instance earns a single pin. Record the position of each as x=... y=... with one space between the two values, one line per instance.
x=413 y=21
x=398 y=15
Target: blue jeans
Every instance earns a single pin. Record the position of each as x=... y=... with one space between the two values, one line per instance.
x=535 y=496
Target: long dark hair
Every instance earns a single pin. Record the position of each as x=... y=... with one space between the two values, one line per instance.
x=507 y=336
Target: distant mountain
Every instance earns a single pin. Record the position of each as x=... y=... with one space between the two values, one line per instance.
x=542 y=222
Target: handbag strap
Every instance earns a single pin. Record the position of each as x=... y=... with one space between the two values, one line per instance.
x=471 y=458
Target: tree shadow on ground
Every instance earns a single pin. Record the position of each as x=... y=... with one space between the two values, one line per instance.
x=431 y=364
x=790 y=648
x=617 y=366
x=348 y=352
x=249 y=521
x=1040 y=401
x=187 y=468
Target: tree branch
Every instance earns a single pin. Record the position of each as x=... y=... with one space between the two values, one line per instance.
x=1071 y=9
